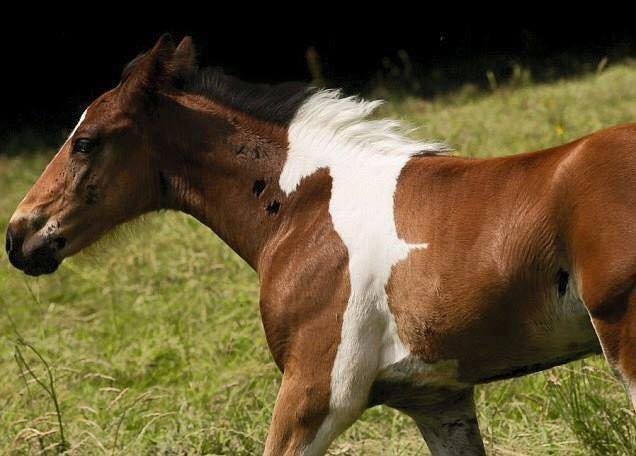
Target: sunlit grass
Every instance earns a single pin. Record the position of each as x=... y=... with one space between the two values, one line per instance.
x=155 y=343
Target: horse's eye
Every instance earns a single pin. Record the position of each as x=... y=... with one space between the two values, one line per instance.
x=84 y=145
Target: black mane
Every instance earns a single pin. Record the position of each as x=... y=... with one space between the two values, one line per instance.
x=275 y=103
x=272 y=103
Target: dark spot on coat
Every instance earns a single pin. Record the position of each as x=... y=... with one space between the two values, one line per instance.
x=273 y=207
x=562 y=282
x=258 y=187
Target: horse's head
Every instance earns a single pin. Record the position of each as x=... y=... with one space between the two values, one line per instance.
x=106 y=171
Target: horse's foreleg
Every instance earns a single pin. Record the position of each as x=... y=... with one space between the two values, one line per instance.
x=450 y=427
x=300 y=408
x=306 y=417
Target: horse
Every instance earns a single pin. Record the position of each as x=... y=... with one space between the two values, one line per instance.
x=391 y=272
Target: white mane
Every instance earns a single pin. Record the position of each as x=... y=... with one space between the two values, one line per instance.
x=327 y=124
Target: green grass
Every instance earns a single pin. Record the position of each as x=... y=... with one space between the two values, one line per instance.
x=155 y=344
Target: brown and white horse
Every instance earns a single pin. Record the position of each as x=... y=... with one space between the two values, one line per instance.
x=390 y=273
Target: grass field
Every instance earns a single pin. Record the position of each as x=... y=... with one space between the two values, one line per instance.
x=155 y=345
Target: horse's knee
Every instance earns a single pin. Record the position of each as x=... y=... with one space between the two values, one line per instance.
x=306 y=419
x=300 y=409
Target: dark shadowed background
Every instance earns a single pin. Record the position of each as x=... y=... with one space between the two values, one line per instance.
x=57 y=70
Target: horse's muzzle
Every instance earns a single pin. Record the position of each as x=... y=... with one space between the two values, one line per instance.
x=36 y=256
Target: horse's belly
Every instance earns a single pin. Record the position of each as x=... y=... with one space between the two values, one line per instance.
x=549 y=342
x=560 y=331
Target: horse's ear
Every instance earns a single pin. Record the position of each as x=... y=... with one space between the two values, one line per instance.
x=148 y=73
x=185 y=59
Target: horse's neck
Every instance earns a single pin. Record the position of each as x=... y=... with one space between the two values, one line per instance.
x=226 y=175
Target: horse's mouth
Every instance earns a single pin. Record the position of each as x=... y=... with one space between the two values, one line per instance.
x=41 y=260
x=46 y=267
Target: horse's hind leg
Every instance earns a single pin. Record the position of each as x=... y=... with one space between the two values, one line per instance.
x=450 y=427
x=606 y=272
x=613 y=314
x=599 y=220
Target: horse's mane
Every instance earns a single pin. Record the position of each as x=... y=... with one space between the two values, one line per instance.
x=328 y=109
x=276 y=103
x=325 y=111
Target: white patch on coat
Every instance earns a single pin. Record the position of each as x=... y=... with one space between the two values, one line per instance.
x=82 y=117
x=364 y=159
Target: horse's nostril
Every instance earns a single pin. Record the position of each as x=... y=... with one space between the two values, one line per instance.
x=8 y=243
x=13 y=246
